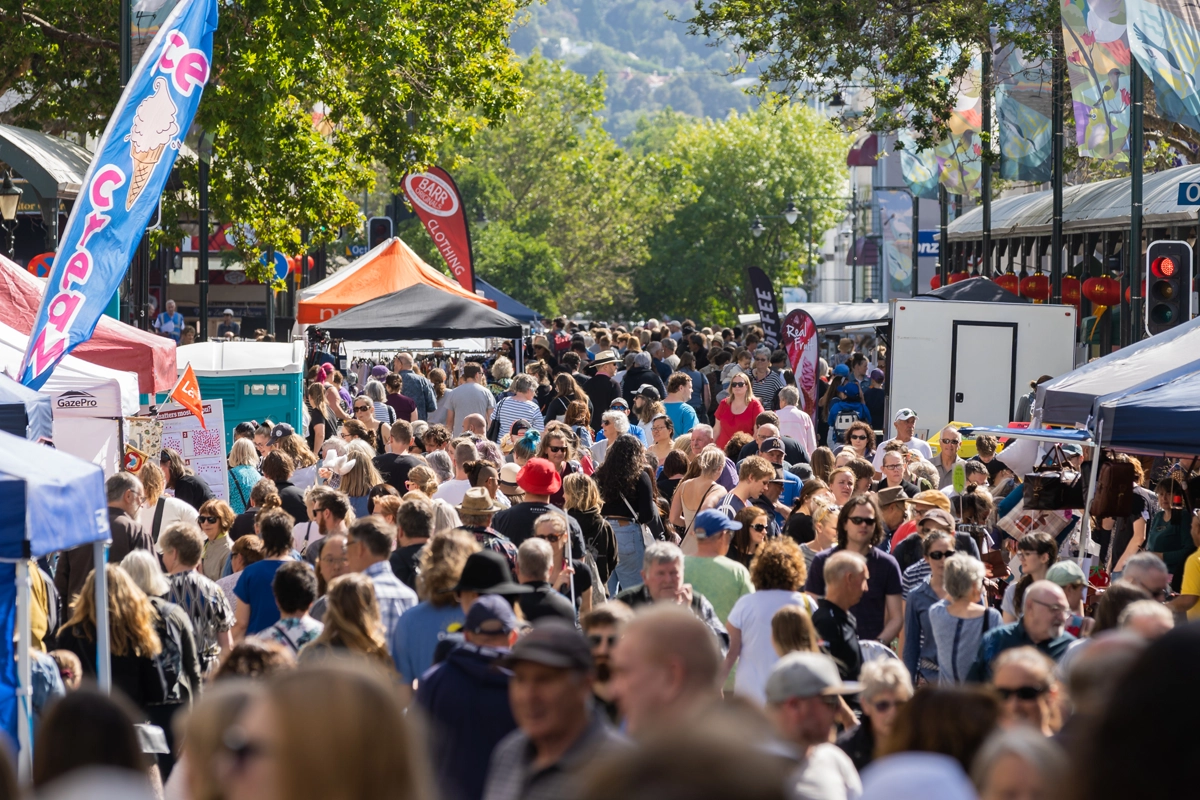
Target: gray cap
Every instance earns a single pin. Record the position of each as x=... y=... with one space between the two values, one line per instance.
x=806 y=675
x=553 y=643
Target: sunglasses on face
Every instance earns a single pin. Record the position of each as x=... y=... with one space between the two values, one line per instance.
x=362 y=408
x=551 y=539
x=938 y=555
x=760 y=527
x=596 y=640
x=738 y=385
x=861 y=520
x=859 y=438
x=554 y=448
x=949 y=441
x=884 y=706
x=1021 y=692
x=204 y=518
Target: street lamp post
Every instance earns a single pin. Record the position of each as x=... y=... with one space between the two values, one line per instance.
x=10 y=196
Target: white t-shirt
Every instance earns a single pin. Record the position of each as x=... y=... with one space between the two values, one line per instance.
x=308 y=529
x=827 y=774
x=452 y=491
x=174 y=510
x=914 y=444
x=752 y=615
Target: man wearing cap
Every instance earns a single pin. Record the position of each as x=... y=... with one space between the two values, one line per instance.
x=538 y=479
x=645 y=396
x=766 y=427
x=947 y=459
x=639 y=375
x=919 y=503
x=475 y=513
x=895 y=513
x=905 y=423
x=535 y=560
x=802 y=701
x=227 y=325
x=910 y=553
x=601 y=389
x=715 y=576
x=1068 y=576
x=465 y=698
x=559 y=732
x=662 y=582
x=773 y=450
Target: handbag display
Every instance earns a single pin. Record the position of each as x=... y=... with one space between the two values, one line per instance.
x=1114 y=489
x=1055 y=487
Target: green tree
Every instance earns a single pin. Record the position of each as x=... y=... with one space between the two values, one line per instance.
x=304 y=100
x=741 y=167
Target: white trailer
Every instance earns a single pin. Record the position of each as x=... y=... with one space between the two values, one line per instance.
x=970 y=362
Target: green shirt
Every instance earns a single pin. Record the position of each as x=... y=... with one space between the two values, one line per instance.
x=722 y=580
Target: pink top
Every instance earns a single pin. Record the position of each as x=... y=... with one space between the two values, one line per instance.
x=732 y=423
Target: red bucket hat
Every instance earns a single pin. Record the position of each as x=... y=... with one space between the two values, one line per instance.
x=539 y=476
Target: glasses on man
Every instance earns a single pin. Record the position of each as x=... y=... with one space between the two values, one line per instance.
x=1054 y=609
x=1022 y=692
x=552 y=539
x=950 y=441
x=595 y=640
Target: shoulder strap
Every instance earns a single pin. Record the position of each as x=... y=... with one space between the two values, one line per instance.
x=158 y=515
x=987 y=620
x=625 y=500
x=237 y=485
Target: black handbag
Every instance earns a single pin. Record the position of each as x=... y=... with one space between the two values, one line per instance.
x=1054 y=487
x=493 y=431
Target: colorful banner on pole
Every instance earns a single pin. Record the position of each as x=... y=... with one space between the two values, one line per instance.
x=1165 y=39
x=1023 y=110
x=436 y=200
x=961 y=155
x=802 y=344
x=920 y=168
x=764 y=303
x=1098 y=56
x=896 y=240
x=120 y=192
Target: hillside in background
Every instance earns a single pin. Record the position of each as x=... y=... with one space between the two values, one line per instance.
x=649 y=60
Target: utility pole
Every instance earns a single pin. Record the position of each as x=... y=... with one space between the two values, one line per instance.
x=1133 y=263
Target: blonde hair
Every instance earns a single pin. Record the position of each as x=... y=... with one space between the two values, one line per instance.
x=352 y=619
x=441 y=565
x=580 y=493
x=152 y=478
x=243 y=454
x=131 y=618
x=711 y=460
x=885 y=675
x=424 y=478
x=295 y=446
x=359 y=481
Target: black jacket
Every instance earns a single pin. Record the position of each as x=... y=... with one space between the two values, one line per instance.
x=601 y=390
x=839 y=630
x=545 y=601
x=634 y=379
x=192 y=491
x=599 y=539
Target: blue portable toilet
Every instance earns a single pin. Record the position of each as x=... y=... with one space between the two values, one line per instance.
x=255 y=380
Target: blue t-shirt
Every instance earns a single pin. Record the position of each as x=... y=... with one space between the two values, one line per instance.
x=416 y=637
x=254 y=589
x=682 y=415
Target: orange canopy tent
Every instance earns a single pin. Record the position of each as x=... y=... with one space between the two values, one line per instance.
x=388 y=268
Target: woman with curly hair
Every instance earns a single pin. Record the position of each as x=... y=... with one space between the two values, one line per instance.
x=627 y=497
x=778 y=574
x=860 y=440
x=556 y=446
x=304 y=460
x=352 y=623
x=502 y=375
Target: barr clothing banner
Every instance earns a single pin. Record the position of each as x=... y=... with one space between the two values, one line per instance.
x=122 y=186
x=1165 y=39
x=802 y=344
x=920 y=168
x=764 y=304
x=1023 y=111
x=961 y=154
x=436 y=200
x=896 y=241
x=202 y=449
x=1098 y=56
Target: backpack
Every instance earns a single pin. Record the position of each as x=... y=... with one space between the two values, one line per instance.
x=167 y=669
x=846 y=416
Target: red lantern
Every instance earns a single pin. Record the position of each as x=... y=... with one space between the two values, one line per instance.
x=935 y=282
x=956 y=277
x=1035 y=287
x=1008 y=281
x=1102 y=291
x=1070 y=290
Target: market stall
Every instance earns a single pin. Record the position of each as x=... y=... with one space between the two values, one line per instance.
x=421 y=312
x=24 y=412
x=1160 y=418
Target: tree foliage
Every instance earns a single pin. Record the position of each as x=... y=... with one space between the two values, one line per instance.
x=304 y=98
x=741 y=167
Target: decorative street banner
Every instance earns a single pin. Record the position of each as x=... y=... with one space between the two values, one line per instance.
x=919 y=167
x=1023 y=110
x=437 y=202
x=1166 y=42
x=1097 y=47
x=802 y=344
x=961 y=155
x=895 y=222
x=120 y=192
x=764 y=303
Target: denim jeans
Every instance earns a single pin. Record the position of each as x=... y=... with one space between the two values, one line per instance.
x=630 y=547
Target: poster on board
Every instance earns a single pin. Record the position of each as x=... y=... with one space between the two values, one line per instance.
x=201 y=449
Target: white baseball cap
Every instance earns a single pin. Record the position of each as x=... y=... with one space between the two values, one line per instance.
x=904 y=415
x=227 y=312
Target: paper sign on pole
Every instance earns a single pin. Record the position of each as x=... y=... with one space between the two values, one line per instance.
x=202 y=449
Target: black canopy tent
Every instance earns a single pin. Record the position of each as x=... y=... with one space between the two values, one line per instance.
x=421 y=312
x=976 y=290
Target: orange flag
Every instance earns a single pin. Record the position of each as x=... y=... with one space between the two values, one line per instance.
x=187 y=394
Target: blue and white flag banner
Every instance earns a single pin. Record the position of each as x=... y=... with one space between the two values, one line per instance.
x=1164 y=36
x=123 y=185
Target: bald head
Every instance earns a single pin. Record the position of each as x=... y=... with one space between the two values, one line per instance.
x=666 y=666
x=473 y=423
x=1046 y=611
x=404 y=361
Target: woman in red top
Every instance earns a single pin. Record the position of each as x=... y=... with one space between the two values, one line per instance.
x=737 y=411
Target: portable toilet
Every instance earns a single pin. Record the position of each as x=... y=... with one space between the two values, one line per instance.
x=255 y=380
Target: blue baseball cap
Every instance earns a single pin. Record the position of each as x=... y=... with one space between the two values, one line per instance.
x=849 y=389
x=843 y=370
x=491 y=614
x=711 y=522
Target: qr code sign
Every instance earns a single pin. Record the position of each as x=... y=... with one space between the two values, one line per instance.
x=206 y=444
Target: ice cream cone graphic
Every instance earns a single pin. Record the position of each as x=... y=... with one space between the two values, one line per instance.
x=154 y=127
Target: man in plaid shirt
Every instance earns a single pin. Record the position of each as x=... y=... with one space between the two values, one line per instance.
x=367 y=550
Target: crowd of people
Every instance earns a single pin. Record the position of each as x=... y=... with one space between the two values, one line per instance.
x=637 y=567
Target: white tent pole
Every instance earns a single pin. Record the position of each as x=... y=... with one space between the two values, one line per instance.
x=24 y=676
x=103 y=664
x=1085 y=535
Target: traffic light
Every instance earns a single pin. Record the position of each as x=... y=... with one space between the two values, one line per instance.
x=1168 y=285
x=379 y=230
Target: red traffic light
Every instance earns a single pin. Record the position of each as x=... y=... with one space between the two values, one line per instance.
x=1163 y=267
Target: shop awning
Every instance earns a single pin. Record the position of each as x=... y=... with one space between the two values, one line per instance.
x=976 y=290
x=54 y=167
x=843 y=315
x=388 y=268
x=113 y=344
